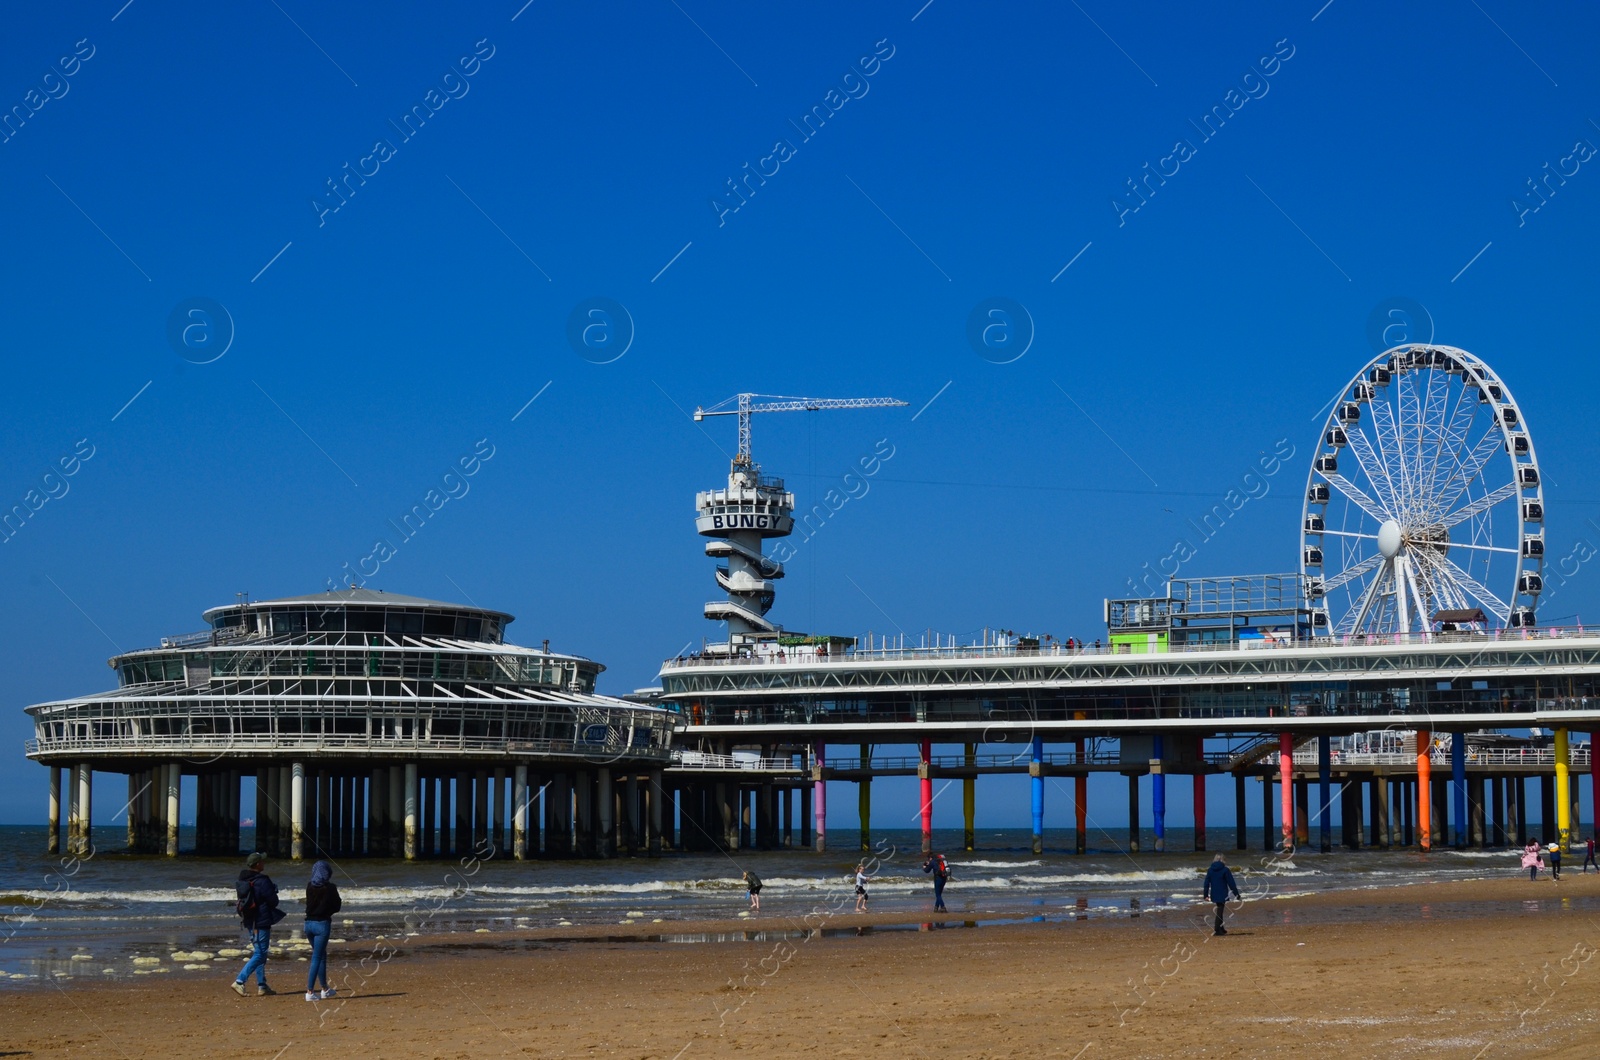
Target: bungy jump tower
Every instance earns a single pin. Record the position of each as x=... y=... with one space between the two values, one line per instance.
x=751 y=509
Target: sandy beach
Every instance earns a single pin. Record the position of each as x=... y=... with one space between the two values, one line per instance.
x=1500 y=967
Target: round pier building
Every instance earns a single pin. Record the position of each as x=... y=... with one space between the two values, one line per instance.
x=367 y=723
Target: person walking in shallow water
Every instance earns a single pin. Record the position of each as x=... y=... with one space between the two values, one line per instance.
x=1219 y=884
x=861 y=887
x=1588 y=857
x=753 y=882
x=322 y=901
x=941 y=873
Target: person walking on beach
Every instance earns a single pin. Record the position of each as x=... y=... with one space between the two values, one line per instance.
x=322 y=901
x=1219 y=884
x=1588 y=857
x=258 y=910
x=861 y=887
x=941 y=873
x=1555 y=861
x=753 y=882
x=1530 y=861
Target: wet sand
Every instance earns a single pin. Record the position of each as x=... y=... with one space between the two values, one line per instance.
x=1492 y=968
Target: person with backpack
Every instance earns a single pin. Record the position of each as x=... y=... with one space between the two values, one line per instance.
x=257 y=906
x=322 y=901
x=941 y=873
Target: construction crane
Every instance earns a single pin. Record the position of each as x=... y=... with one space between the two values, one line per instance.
x=743 y=405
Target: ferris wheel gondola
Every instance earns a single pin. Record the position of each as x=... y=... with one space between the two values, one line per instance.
x=1423 y=507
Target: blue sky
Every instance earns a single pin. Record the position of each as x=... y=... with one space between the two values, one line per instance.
x=577 y=151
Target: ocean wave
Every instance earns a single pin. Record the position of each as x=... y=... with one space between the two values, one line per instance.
x=993 y=864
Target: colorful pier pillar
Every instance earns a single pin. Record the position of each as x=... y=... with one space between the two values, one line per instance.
x=1425 y=789
x=1594 y=780
x=1080 y=802
x=819 y=797
x=925 y=778
x=1286 y=784
x=1199 y=811
x=1324 y=794
x=864 y=798
x=1563 y=792
x=969 y=794
x=1158 y=790
x=1036 y=782
x=1458 y=780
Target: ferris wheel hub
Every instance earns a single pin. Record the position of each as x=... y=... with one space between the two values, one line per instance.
x=1389 y=539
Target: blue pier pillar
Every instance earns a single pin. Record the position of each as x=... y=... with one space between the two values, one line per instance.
x=1158 y=791
x=1036 y=776
x=1324 y=796
x=1458 y=777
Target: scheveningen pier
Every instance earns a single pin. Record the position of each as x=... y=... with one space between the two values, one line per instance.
x=1397 y=689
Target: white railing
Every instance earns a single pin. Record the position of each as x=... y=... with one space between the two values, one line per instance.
x=706 y=760
x=805 y=657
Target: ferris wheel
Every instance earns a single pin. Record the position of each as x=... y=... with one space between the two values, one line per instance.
x=1423 y=507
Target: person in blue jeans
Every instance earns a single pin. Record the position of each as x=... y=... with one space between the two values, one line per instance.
x=258 y=911
x=322 y=901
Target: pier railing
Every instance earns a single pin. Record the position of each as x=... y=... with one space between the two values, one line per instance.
x=736 y=763
x=808 y=658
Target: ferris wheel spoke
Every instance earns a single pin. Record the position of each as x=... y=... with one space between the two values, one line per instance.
x=1498 y=607
x=1456 y=437
x=1360 y=499
x=1350 y=574
x=1502 y=549
x=1373 y=467
x=1467 y=473
x=1482 y=504
x=1374 y=591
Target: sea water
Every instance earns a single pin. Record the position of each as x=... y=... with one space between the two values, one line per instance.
x=111 y=913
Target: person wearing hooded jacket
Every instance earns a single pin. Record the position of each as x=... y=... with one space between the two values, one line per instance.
x=1219 y=883
x=262 y=913
x=322 y=901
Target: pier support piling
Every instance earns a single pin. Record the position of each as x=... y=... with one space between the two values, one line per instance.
x=819 y=797
x=53 y=841
x=1158 y=792
x=925 y=784
x=1286 y=782
x=656 y=798
x=1424 y=788
x=519 y=813
x=969 y=796
x=1324 y=794
x=1036 y=786
x=1458 y=783
x=297 y=811
x=1563 y=791
x=1241 y=840
x=1080 y=801
x=410 y=811
x=1133 y=813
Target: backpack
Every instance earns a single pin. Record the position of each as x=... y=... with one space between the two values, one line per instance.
x=248 y=905
x=942 y=869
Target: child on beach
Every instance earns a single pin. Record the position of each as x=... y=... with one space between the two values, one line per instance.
x=1588 y=857
x=1555 y=861
x=753 y=882
x=861 y=887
